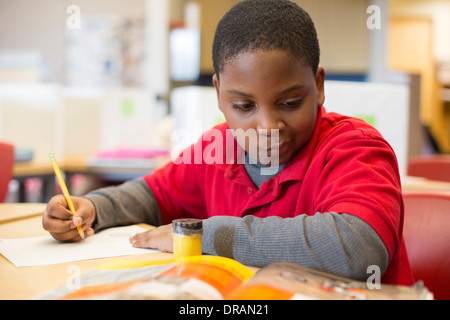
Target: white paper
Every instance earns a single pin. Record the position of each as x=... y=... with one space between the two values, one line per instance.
x=45 y=250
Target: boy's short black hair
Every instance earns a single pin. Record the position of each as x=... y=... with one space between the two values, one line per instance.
x=266 y=24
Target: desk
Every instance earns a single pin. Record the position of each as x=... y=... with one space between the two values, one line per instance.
x=422 y=184
x=117 y=171
x=110 y=170
x=28 y=282
x=15 y=211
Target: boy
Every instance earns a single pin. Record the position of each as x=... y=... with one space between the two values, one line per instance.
x=333 y=202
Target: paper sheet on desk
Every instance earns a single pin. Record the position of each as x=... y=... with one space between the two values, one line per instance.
x=45 y=250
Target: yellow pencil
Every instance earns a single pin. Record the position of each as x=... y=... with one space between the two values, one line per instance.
x=64 y=190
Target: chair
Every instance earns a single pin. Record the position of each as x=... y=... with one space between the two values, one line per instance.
x=426 y=233
x=433 y=167
x=6 y=168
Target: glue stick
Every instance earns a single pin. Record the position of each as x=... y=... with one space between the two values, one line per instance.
x=187 y=237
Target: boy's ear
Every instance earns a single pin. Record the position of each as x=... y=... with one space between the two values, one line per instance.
x=320 y=85
x=215 y=80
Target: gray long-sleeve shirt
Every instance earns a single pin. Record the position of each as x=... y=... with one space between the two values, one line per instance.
x=338 y=243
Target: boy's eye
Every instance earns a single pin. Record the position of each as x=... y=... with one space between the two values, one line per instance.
x=292 y=103
x=244 y=107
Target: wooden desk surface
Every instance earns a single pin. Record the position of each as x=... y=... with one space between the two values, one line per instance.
x=28 y=282
x=115 y=171
x=422 y=184
x=71 y=165
x=32 y=168
x=15 y=211
x=81 y=164
x=107 y=170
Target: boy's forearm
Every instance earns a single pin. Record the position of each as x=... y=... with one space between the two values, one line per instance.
x=130 y=203
x=337 y=243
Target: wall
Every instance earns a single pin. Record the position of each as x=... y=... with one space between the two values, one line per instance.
x=341 y=26
x=35 y=25
x=419 y=44
x=438 y=11
x=41 y=26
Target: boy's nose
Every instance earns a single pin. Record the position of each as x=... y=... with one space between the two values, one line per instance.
x=269 y=120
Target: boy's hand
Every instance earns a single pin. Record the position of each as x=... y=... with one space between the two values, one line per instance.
x=159 y=238
x=62 y=223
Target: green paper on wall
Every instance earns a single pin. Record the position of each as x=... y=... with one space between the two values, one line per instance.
x=369 y=118
x=127 y=108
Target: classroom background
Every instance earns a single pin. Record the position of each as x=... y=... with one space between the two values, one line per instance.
x=103 y=84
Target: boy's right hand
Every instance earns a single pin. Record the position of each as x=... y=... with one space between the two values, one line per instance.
x=62 y=223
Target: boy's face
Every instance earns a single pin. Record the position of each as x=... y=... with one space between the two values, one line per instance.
x=267 y=90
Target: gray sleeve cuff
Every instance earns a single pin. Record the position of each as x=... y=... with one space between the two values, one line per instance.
x=219 y=235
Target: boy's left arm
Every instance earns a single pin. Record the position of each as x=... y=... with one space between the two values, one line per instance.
x=341 y=244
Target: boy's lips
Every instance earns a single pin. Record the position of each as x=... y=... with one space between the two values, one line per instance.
x=280 y=149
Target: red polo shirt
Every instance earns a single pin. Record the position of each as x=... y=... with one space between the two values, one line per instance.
x=346 y=167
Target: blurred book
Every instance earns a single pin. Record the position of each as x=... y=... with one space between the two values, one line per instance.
x=21 y=66
x=23 y=155
x=219 y=278
x=126 y=158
